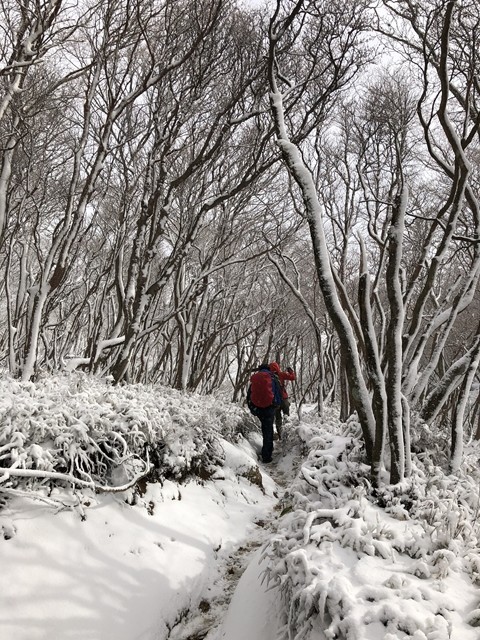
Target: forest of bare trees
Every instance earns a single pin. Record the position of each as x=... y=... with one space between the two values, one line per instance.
x=189 y=187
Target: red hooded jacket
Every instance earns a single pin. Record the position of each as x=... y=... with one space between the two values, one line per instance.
x=283 y=376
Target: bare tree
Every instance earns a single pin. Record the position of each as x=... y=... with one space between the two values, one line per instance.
x=393 y=350
x=331 y=63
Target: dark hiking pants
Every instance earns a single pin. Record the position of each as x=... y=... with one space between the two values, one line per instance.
x=267 y=417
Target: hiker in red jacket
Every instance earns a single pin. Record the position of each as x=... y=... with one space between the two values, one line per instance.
x=263 y=397
x=284 y=407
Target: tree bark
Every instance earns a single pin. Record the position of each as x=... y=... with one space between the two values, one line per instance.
x=313 y=213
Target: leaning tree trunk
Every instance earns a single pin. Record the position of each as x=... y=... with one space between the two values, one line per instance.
x=314 y=216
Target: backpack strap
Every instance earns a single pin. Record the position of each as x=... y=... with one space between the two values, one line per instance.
x=277 y=390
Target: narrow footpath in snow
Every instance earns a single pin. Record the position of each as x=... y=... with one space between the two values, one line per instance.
x=231 y=615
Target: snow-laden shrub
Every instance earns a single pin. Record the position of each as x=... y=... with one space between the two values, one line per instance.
x=429 y=440
x=353 y=563
x=80 y=428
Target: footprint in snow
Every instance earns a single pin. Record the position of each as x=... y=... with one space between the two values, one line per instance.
x=8 y=530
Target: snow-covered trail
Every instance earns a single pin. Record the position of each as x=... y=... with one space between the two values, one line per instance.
x=166 y=567
x=229 y=611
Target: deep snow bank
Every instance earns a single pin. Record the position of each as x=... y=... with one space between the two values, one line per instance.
x=77 y=564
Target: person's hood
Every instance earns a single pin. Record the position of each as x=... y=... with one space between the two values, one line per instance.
x=275 y=367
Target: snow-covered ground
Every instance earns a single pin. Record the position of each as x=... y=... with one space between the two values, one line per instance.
x=159 y=563
x=225 y=550
x=124 y=572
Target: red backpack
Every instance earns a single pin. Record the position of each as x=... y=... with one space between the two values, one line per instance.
x=264 y=390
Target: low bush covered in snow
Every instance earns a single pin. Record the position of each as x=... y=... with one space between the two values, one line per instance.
x=356 y=563
x=351 y=562
x=83 y=564
x=79 y=430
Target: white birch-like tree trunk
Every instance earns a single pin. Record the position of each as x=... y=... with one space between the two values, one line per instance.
x=313 y=213
x=459 y=413
x=393 y=379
